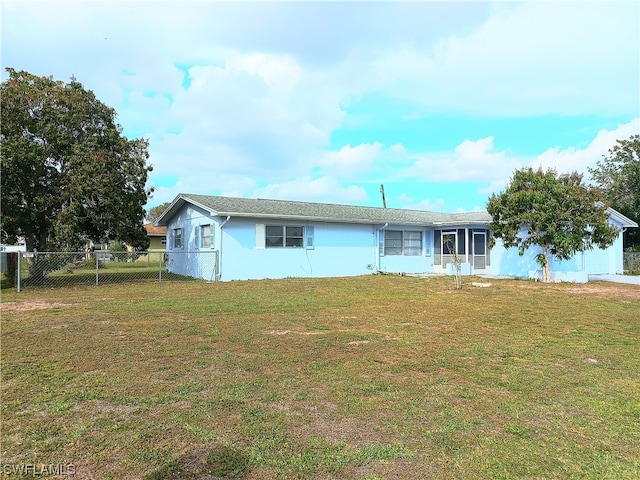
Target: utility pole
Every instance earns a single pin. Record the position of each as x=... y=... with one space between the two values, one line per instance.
x=384 y=200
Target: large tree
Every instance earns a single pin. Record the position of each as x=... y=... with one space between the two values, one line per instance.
x=155 y=212
x=618 y=177
x=559 y=214
x=68 y=172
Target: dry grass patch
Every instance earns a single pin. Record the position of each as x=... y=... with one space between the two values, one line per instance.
x=359 y=378
x=32 y=305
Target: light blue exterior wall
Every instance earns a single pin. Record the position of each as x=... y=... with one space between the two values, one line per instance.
x=191 y=259
x=507 y=262
x=422 y=263
x=339 y=249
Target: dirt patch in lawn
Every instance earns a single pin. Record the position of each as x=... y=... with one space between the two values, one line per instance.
x=35 y=305
x=322 y=420
x=610 y=291
x=287 y=332
x=606 y=290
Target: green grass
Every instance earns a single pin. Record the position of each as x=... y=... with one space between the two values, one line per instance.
x=67 y=275
x=363 y=378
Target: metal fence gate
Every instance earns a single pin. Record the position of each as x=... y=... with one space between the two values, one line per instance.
x=57 y=269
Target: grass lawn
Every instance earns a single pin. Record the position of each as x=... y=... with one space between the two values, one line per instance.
x=374 y=377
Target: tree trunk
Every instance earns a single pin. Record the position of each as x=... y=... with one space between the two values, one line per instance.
x=458 y=272
x=12 y=268
x=546 y=272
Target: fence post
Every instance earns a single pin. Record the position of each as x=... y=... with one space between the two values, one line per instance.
x=19 y=271
x=97 y=267
x=161 y=255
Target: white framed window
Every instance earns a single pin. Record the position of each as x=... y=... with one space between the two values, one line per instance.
x=163 y=241
x=284 y=236
x=177 y=238
x=206 y=236
x=402 y=242
x=453 y=242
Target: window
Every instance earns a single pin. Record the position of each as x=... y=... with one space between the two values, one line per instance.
x=206 y=236
x=453 y=242
x=449 y=242
x=412 y=243
x=177 y=238
x=392 y=242
x=284 y=236
x=399 y=242
x=163 y=241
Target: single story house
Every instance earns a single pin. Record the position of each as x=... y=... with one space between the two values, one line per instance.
x=258 y=238
x=157 y=236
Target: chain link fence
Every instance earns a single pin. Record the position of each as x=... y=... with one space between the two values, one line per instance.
x=631 y=263
x=59 y=269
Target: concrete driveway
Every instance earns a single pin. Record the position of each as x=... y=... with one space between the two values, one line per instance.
x=630 y=279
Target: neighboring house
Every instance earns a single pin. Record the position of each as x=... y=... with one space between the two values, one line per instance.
x=5 y=250
x=257 y=238
x=157 y=236
x=96 y=245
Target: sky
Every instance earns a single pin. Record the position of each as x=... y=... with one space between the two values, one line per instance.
x=440 y=102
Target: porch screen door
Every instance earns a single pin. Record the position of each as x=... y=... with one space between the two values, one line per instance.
x=449 y=245
x=480 y=250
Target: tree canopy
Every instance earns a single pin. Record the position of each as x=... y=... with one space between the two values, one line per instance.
x=68 y=172
x=154 y=212
x=618 y=177
x=559 y=214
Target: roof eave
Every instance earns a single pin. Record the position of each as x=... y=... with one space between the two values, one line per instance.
x=624 y=221
x=311 y=218
x=365 y=221
x=178 y=202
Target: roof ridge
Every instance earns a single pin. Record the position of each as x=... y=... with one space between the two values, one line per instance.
x=324 y=204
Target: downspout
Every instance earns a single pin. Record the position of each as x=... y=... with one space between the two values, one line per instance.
x=219 y=275
x=377 y=246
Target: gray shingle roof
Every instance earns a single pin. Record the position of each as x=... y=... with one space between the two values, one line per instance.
x=321 y=212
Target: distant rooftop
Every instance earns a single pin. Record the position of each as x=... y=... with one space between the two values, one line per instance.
x=154 y=231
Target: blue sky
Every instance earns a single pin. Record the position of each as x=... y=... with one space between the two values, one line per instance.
x=326 y=101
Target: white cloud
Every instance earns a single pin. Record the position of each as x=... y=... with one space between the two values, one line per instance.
x=580 y=159
x=471 y=161
x=494 y=186
x=563 y=160
x=370 y=162
x=256 y=115
x=425 y=204
x=526 y=59
x=350 y=161
x=270 y=89
x=324 y=189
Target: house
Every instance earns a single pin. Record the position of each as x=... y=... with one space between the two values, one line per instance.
x=5 y=250
x=157 y=236
x=258 y=238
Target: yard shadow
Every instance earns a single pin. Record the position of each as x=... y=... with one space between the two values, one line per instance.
x=217 y=461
